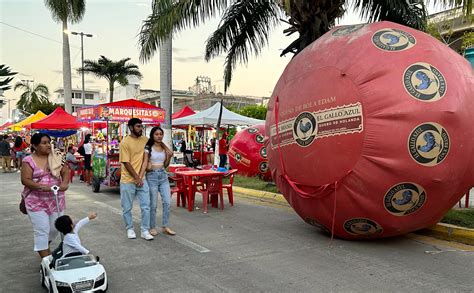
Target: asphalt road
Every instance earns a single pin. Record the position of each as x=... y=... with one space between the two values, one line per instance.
x=250 y=247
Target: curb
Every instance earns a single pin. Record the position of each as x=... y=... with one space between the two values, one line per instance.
x=441 y=230
x=265 y=196
x=450 y=232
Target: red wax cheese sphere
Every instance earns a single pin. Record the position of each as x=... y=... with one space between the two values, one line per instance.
x=248 y=154
x=374 y=135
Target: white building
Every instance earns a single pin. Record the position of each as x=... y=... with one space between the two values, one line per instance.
x=130 y=91
x=92 y=98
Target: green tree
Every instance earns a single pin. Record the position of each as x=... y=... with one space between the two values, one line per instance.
x=65 y=11
x=246 y=24
x=254 y=111
x=46 y=107
x=113 y=71
x=467 y=41
x=34 y=96
x=6 y=76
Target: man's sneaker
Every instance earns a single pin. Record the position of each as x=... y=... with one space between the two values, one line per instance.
x=146 y=235
x=131 y=234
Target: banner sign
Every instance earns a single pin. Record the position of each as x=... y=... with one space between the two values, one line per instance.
x=121 y=114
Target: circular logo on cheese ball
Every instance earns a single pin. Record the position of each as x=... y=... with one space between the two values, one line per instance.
x=393 y=40
x=404 y=198
x=252 y=130
x=304 y=129
x=263 y=167
x=263 y=152
x=428 y=144
x=362 y=227
x=424 y=82
x=238 y=157
x=259 y=138
x=346 y=30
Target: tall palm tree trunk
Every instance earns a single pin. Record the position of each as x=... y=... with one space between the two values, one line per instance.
x=67 y=84
x=166 y=87
x=111 y=91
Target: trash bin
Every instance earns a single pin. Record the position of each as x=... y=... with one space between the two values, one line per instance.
x=469 y=55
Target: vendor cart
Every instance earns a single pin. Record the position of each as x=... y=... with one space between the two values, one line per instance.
x=106 y=166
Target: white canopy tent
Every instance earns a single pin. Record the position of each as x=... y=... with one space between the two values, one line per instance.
x=211 y=115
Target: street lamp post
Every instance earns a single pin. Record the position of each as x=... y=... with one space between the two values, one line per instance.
x=27 y=81
x=82 y=34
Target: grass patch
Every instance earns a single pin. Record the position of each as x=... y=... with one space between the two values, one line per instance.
x=253 y=183
x=463 y=218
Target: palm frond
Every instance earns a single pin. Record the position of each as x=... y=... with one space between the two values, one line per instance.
x=171 y=16
x=71 y=10
x=58 y=8
x=42 y=89
x=22 y=86
x=243 y=31
x=253 y=18
x=78 y=9
x=411 y=13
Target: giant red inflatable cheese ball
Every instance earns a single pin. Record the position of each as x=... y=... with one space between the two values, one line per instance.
x=374 y=135
x=247 y=152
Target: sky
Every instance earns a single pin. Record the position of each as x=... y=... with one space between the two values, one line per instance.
x=31 y=44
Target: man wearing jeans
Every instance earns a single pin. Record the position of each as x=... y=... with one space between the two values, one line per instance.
x=131 y=182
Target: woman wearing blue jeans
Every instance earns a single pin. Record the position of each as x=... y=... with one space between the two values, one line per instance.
x=156 y=158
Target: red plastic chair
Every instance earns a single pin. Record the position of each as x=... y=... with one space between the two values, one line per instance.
x=180 y=189
x=210 y=188
x=228 y=187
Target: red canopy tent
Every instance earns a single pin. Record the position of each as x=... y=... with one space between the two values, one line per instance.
x=57 y=120
x=5 y=125
x=186 y=111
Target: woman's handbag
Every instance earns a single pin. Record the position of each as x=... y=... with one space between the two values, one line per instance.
x=23 y=206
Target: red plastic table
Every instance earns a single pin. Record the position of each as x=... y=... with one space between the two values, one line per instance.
x=188 y=180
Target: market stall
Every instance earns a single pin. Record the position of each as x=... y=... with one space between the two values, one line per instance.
x=105 y=160
x=30 y=119
x=211 y=117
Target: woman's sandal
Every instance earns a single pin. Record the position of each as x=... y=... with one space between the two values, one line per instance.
x=168 y=231
x=153 y=232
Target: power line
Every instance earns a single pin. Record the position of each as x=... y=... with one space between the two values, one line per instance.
x=35 y=34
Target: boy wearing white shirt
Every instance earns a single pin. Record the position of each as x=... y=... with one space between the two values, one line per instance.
x=71 y=241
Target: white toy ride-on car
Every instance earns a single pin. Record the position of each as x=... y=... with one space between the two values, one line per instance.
x=81 y=273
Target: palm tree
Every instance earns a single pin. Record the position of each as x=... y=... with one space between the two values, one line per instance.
x=166 y=100
x=66 y=11
x=32 y=95
x=112 y=71
x=7 y=76
x=246 y=24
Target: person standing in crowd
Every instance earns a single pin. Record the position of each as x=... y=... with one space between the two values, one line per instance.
x=5 y=153
x=87 y=159
x=132 y=184
x=223 y=146
x=40 y=203
x=156 y=158
x=183 y=145
x=19 y=149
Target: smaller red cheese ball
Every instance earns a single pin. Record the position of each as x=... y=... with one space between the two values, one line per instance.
x=248 y=153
